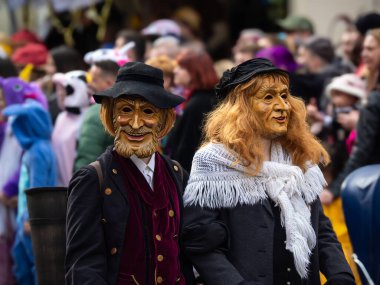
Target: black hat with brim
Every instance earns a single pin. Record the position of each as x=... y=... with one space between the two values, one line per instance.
x=136 y=79
x=243 y=73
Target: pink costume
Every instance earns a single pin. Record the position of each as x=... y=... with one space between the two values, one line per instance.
x=68 y=123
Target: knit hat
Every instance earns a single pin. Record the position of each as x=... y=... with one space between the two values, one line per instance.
x=33 y=53
x=367 y=22
x=24 y=36
x=321 y=47
x=296 y=23
x=347 y=83
x=162 y=27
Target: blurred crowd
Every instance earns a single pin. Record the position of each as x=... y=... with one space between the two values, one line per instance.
x=50 y=126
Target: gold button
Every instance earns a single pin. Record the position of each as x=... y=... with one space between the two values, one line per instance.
x=175 y=167
x=114 y=171
x=158 y=237
x=159 y=279
x=108 y=191
x=160 y=257
x=103 y=221
x=171 y=213
x=113 y=250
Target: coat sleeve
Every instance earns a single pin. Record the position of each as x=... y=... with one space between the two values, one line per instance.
x=332 y=262
x=85 y=245
x=93 y=140
x=205 y=241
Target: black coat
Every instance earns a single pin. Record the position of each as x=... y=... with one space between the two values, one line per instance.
x=366 y=150
x=185 y=138
x=97 y=219
x=235 y=246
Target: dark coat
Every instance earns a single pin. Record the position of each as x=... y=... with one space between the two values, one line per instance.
x=366 y=150
x=96 y=221
x=185 y=138
x=235 y=246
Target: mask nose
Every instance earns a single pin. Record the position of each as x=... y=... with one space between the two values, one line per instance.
x=136 y=122
x=133 y=121
x=281 y=105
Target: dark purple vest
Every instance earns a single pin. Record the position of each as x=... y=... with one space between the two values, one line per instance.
x=151 y=250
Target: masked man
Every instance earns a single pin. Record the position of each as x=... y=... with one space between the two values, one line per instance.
x=127 y=231
x=252 y=212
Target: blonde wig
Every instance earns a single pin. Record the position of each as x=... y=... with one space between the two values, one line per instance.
x=234 y=124
x=168 y=117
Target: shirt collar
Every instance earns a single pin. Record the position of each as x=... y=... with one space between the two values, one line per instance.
x=141 y=165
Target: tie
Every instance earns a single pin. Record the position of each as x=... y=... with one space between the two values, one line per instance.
x=149 y=176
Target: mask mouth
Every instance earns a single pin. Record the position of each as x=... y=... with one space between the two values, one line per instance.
x=281 y=119
x=136 y=135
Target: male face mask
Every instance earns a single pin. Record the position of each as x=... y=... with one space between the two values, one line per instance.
x=270 y=105
x=137 y=124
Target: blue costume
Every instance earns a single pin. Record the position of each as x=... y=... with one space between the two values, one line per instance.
x=32 y=127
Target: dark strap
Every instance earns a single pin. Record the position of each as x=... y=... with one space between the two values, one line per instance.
x=98 y=169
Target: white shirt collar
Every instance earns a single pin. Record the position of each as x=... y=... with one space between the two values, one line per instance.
x=141 y=165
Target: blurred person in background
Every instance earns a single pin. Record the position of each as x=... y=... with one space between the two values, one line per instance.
x=346 y=93
x=137 y=53
x=366 y=150
x=160 y=28
x=280 y=56
x=93 y=139
x=72 y=87
x=167 y=65
x=33 y=61
x=166 y=45
x=65 y=59
x=317 y=59
x=297 y=30
x=371 y=58
x=350 y=47
x=246 y=45
x=32 y=127
x=10 y=157
x=196 y=73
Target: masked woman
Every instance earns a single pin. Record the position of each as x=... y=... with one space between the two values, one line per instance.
x=252 y=212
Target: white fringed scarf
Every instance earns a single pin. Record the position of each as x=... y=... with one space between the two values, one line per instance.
x=218 y=181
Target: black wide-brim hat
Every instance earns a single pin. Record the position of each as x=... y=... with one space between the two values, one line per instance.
x=243 y=73
x=137 y=79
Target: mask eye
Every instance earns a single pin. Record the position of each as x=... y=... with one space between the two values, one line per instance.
x=17 y=87
x=126 y=110
x=268 y=97
x=284 y=96
x=148 y=111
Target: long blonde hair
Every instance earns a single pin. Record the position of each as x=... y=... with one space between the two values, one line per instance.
x=234 y=124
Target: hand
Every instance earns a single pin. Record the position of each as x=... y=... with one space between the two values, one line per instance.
x=326 y=197
x=312 y=111
x=8 y=202
x=27 y=228
x=348 y=121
